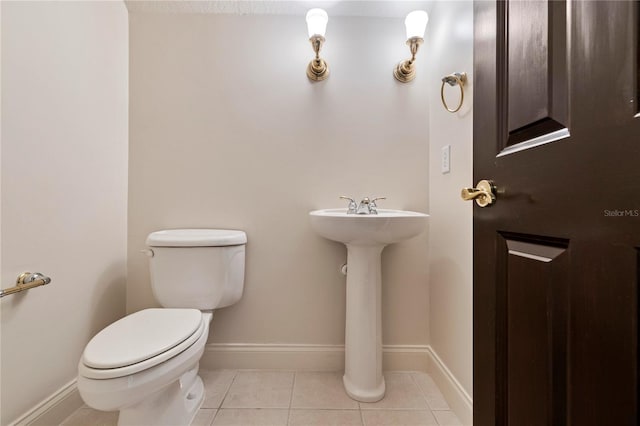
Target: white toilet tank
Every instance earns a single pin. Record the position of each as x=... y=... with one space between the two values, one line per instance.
x=197 y=268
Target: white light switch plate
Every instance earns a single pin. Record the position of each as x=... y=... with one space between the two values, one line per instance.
x=445 y=165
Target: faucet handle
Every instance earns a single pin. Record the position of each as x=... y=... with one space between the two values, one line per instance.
x=352 y=204
x=373 y=206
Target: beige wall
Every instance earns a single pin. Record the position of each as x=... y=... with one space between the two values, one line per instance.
x=1 y=48
x=227 y=132
x=64 y=186
x=450 y=40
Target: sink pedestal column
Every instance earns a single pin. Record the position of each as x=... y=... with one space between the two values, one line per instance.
x=363 y=378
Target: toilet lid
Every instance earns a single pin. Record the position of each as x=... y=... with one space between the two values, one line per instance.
x=196 y=238
x=140 y=336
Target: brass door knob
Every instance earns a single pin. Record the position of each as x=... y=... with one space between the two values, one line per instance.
x=484 y=193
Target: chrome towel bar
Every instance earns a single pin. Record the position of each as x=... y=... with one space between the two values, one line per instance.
x=25 y=281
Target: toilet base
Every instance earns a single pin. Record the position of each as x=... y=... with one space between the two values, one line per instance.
x=176 y=404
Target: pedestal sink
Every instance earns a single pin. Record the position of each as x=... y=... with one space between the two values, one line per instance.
x=365 y=236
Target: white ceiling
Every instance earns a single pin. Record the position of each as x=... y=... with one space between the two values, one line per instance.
x=371 y=8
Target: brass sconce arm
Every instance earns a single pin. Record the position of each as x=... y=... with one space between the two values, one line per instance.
x=405 y=71
x=318 y=69
x=414 y=44
x=317 y=41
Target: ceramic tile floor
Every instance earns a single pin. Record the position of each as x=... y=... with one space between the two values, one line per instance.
x=274 y=398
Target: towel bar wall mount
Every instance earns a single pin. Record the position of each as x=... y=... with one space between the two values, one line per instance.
x=26 y=281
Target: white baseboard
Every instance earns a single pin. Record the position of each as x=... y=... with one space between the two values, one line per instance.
x=54 y=409
x=277 y=357
x=304 y=357
x=458 y=398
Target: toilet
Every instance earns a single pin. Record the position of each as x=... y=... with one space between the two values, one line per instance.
x=145 y=365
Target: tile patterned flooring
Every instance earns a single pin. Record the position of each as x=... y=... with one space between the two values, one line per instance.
x=297 y=398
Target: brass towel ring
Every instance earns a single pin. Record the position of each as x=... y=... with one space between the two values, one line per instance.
x=454 y=79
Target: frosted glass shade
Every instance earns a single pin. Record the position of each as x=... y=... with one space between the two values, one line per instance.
x=415 y=23
x=317 y=22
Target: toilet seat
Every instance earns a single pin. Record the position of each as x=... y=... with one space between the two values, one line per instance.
x=140 y=341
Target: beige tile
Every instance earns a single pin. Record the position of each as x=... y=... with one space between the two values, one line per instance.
x=251 y=417
x=434 y=397
x=401 y=393
x=398 y=418
x=260 y=389
x=91 y=417
x=216 y=385
x=204 y=417
x=447 y=418
x=320 y=390
x=325 y=418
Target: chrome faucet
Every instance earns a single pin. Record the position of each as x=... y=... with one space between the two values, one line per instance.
x=366 y=206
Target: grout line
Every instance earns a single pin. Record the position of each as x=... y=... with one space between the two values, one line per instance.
x=214 y=417
x=226 y=392
x=441 y=396
x=293 y=386
x=322 y=409
x=415 y=382
x=400 y=409
x=361 y=415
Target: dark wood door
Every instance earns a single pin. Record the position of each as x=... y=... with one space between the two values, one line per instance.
x=556 y=258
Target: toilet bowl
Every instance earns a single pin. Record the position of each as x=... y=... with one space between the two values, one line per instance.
x=145 y=365
x=162 y=389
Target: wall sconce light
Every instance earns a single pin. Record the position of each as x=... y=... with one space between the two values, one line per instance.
x=317 y=26
x=415 y=23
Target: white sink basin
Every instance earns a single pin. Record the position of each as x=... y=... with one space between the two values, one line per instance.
x=387 y=227
x=365 y=237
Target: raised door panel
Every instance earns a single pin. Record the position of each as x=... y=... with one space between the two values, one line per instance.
x=534 y=58
x=528 y=62
x=532 y=312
